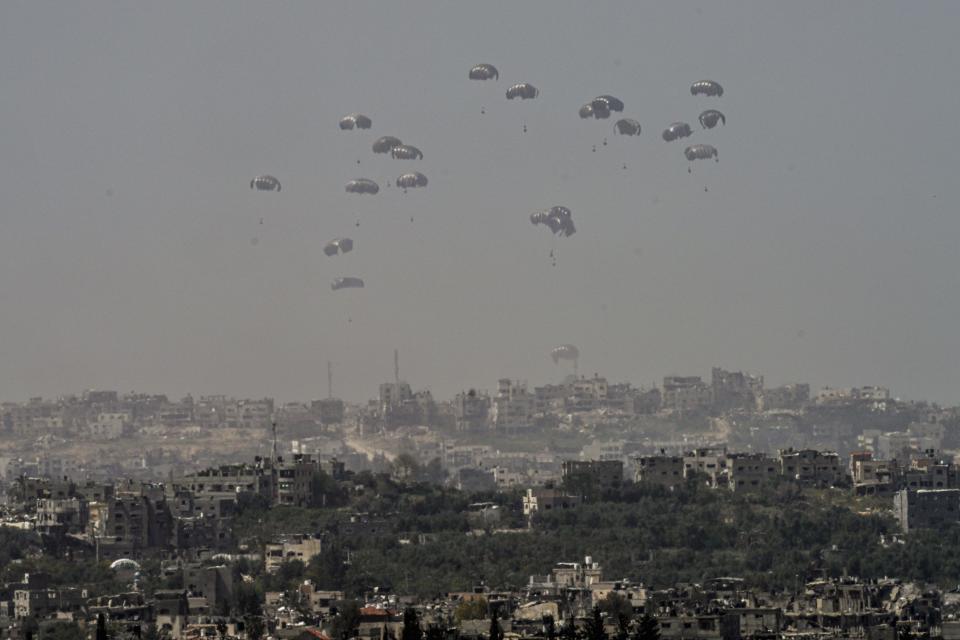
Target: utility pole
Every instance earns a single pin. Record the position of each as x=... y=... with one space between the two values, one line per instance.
x=273 y=425
x=396 y=366
x=329 y=380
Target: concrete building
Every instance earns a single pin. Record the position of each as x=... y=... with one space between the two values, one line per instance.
x=789 y=397
x=685 y=393
x=471 y=410
x=926 y=508
x=292 y=547
x=666 y=471
x=735 y=390
x=751 y=471
x=811 y=468
x=513 y=406
x=541 y=499
x=592 y=478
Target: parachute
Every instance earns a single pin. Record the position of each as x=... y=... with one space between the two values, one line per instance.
x=586 y=111
x=677 y=130
x=558 y=219
x=524 y=91
x=338 y=245
x=706 y=88
x=701 y=152
x=363 y=185
x=710 y=118
x=357 y=120
x=346 y=283
x=627 y=127
x=406 y=152
x=265 y=183
x=411 y=180
x=611 y=103
x=565 y=352
x=125 y=564
x=484 y=72
x=386 y=144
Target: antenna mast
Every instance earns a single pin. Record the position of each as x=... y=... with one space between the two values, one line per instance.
x=329 y=379
x=273 y=425
x=396 y=366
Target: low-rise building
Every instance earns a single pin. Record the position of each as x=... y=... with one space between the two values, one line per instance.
x=927 y=508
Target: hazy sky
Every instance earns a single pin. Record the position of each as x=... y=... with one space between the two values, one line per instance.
x=826 y=249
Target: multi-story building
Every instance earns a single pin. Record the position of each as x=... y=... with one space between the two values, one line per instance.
x=60 y=517
x=470 y=410
x=592 y=478
x=811 y=468
x=291 y=547
x=927 y=508
x=685 y=393
x=735 y=390
x=513 y=406
x=666 y=471
x=789 y=397
x=543 y=499
x=751 y=471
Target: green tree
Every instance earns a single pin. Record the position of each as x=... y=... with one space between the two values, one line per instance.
x=101 y=627
x=496 y=632
x=346 y=621
x=648 y=629
x=594 y=630
x=411 y=625
x=471 y=610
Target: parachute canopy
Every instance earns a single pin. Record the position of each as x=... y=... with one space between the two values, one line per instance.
x=564 y=352
x=706 y=88
x=524 y=91
x=363 y=185
x=484 y=72
x=346 y=283
x=558 y=219
x=627 y=127
x=386 y=144
x=701 y=152
x=357 y=120
x=586 y=111
x=125 y=564
x=265 y=183
x=338 y=245
x=710 y=118
x=677 y=130
x=411 y=180
x=406 y=152
x=611 y=103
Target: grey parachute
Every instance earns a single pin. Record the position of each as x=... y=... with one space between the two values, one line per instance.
x=564 y=352
x=346 y=283
x=265 y=183
x=406 y=152
x=558 y=219
x=523 y=90
x=608 y=101
x=627 y=127
x=676 y=131
x=711 y=117
x=357 y=120
x=412 y=180
x=386 y=144
x=701 y=152
x=586 y=111
x=484 y=72
x=706 y=88
x=338 y=245
x=363 y=185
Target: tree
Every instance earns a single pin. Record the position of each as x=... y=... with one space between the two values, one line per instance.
x=496 y=632
x=346 y=620
x=471 y=610
x=594 y=630
x=648 y=629
x=411 y=625
x=549 y=627
x=101 y=627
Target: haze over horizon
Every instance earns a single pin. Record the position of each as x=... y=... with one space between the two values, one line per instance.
x=823 y=251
